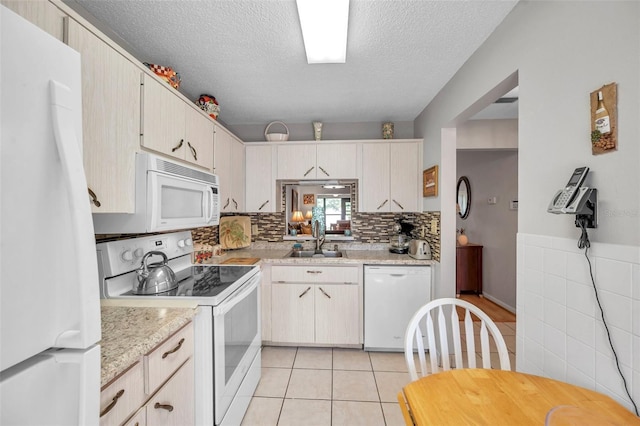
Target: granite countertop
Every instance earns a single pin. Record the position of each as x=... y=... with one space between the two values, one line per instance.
x=280 y=256
x=131 y=329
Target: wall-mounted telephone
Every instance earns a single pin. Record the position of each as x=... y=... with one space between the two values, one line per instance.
x=576 y=199
x=566 y=200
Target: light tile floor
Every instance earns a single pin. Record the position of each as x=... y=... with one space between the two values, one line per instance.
x=332 y=387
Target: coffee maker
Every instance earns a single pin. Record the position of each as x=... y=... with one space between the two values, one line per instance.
x=400 y=236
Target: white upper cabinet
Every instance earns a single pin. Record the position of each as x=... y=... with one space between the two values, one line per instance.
x=337 y=161
x=173 y=127
x=229 y=163
x=296 y=161
x=42 y=13
x=374 y=186
x=199 y=138
x=317 y=161
x=110 y=120
x=260 y=183
x=405 y=178
x=391 y=177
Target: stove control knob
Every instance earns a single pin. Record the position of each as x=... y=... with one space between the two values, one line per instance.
x=188 y=242
x=127 y=255
x=138 y=253
x=181 y=243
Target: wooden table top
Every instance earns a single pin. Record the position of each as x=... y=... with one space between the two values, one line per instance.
x=497 y=397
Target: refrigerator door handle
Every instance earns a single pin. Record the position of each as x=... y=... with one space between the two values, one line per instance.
x=64 y=125
x=89 y=381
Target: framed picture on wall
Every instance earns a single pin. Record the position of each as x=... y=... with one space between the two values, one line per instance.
x=430 y=182
x=309 y=198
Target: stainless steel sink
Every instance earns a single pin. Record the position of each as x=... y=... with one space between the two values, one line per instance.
x=312 y=253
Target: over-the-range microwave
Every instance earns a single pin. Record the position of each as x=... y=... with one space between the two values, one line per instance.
x=168 y=196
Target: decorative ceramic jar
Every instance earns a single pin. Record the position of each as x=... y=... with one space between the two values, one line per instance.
x=165 y=73
x=317 y=130
x=208 y=104
x=462 y=238
x=387 y=131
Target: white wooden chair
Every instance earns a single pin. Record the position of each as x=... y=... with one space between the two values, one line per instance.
x=448 y=324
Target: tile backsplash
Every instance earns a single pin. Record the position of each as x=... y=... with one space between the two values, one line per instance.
x=367 y=228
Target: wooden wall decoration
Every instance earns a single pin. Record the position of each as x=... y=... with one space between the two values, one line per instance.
x=430 y=182
x=604 y=119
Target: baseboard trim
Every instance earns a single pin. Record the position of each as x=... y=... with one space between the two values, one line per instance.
x=499 y=303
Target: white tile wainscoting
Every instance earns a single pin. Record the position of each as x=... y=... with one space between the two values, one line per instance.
x=560 y=333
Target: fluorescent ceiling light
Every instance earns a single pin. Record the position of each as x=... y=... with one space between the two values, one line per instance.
x=324 y=30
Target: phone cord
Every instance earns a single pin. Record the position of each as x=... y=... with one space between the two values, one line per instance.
x=584 y=243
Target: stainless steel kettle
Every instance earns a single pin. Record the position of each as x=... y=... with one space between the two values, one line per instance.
x=156 y=277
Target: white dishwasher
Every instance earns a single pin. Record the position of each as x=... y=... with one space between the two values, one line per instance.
x=392 y=294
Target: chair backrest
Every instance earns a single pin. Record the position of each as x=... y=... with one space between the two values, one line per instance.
x=448 y=329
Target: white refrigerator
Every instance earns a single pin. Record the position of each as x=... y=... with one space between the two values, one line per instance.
x=49 y=302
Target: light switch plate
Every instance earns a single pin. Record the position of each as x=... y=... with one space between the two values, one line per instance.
x=254 y=229
x=434 y=226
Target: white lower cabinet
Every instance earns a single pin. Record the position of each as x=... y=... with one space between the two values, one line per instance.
x=157 y=390
x=139 y=419
x=173 y=404
x=318 y=305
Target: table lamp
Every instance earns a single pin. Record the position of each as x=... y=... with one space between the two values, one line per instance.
x=297 y=219
x=309 y=215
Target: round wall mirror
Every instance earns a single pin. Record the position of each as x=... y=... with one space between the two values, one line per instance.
x=463 y=197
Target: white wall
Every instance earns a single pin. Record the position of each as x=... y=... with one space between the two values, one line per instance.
x=559 y=332
x=561 y=51
x=494 y=226
x=330 y=131
x=488 y=134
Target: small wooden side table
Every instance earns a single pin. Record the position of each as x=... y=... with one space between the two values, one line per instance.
x=469 y=269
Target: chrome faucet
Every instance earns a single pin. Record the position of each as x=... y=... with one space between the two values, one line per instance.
x=316 y=235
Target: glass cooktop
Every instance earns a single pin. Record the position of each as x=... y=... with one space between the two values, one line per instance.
x=205 y=281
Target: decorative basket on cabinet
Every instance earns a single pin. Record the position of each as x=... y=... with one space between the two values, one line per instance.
x=271 y=137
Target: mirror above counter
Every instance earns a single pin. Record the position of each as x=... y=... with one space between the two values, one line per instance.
x=329 y=202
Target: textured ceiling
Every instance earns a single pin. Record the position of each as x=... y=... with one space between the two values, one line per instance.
x=250 y=55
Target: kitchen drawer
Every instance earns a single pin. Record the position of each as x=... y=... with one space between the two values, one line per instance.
x=315 y=274
x=138 y=419
x=122 y=397
x=163 y=361
x=174 y=403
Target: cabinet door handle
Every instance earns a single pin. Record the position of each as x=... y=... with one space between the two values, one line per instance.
x=309 y=171
x=324 y=292
x=263 y=204
x=305 y=292
x=235 y=203
x=226 y=204
x=314 y=272
x=169 y=352
x=193 y=151
x=323 y=171
x=94 y=198
x=167 y=407
x=383 y=203
x=113 y=403
x=398 y=204
x=177 y=146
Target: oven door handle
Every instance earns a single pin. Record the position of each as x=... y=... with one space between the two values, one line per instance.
x=237 y=297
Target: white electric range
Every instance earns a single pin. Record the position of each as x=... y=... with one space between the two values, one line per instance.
x=227 y=326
